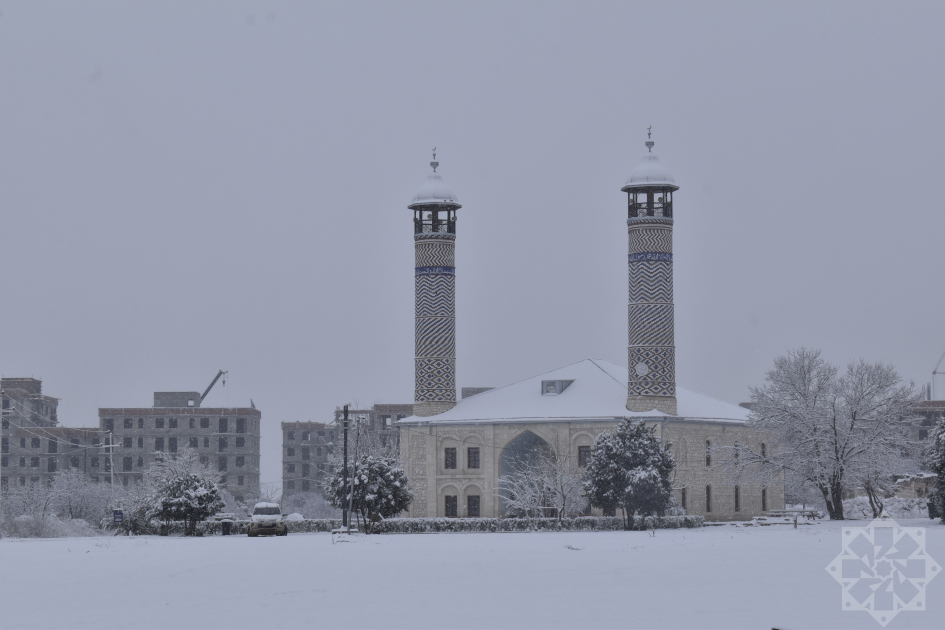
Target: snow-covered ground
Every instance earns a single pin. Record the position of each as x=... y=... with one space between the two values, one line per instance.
x=716 y=577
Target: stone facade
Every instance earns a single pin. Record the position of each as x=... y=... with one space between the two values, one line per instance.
x=424 y=453
x=306 y=450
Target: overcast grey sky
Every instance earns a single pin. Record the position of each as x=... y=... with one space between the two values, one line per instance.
x=192 y=186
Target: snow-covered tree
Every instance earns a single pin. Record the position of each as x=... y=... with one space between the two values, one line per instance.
x=380 y=489
x=183 y=489
x=828 y=429
x=77 y=496
x=936 y=462
x=630 y=469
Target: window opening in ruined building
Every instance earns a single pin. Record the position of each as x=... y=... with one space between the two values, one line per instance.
x=140 y=442
x=140 y=423
x=306 y=453
x=52 y=465
x=222 y=445
x=290 y=436
x=472 y=506
x=5 y=445
x=306 y=435
x=140 y=462
x=923 y=434
x=290 y=468
x=222 y=464
x=306 y=485
x=4 y=462
x=584 y=456
x=205 y=423
x=224 y=424
x=318 y=451
x=472 y=456
x=22 y=462
x=34 y=443
x=738 y=505
x=240 y=442
x=240 y=462
x=451 y=505
x=241 y=425
x=129 y=423
x=450 y=460
x=22 y=442
x=74 y=462
x=290 y=484
x=159 y=423
x=193 y=423
x=290 y=452
x=127 y=464
x=5 y=424
x=172 y=423
x=239 y=480
x=127 y=442
x=206 y=442
x=764 y=451
x=708 y=453
x=764 y=499
x=172 y=444
x=708 y=498
x=194 y=442
x=94 y=462
x=306 y=470
x=109 y=424
x=159 y=444
x=74 y=442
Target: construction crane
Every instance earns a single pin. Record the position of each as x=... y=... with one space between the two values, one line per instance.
x=216 y=378
x=935 y=371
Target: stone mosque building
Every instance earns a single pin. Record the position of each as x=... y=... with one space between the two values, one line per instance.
x=453 y=451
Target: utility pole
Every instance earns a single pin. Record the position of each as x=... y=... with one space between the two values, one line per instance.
x=111 y=462
x=344 y=510
x=357 y=439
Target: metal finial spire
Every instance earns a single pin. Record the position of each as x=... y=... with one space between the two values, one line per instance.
x=649 y=143
x=648 y=132
x=434 y=163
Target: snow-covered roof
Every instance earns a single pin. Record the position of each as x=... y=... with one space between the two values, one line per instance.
x=435 y=190
x=650 y=173
x=598 y=391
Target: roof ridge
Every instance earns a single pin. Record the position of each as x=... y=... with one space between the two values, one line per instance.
x=594 y=361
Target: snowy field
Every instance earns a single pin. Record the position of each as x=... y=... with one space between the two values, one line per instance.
x=717 y=577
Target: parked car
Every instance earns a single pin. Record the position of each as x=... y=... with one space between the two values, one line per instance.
x=267 y=520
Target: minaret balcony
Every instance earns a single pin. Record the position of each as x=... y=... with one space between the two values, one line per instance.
x=433 y=226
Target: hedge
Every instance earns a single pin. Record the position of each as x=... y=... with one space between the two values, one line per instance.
x=447 y=525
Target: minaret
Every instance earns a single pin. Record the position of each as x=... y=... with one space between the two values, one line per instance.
x=434 y=233
x=651 y=355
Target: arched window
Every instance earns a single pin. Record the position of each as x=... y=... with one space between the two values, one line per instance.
x=708 y=453
x=708 y=499
x=764 y=499
x=738 y=506
x=684 y=498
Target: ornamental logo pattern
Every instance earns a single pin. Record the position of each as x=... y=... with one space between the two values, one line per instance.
x=883 y=569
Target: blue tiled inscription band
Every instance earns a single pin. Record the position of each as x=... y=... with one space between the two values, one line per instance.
x=651 y=256
x=431 y=271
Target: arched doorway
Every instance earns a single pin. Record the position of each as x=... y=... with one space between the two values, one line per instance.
x=522 y=453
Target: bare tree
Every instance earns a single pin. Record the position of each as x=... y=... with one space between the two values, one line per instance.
x=550 y=485
x=826 y=428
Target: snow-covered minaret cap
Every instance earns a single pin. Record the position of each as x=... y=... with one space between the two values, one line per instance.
x=650 y=172
x=434 y=191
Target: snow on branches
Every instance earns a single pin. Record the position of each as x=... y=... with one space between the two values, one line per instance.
x=380 y=489
x=631 y=470
x=832 y=429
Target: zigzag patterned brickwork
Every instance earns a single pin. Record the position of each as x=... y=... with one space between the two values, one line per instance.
x=435 y=254
x=651 y=281
x=650 y=324
x=435 y=336
x=650 y=239
x=435 y=296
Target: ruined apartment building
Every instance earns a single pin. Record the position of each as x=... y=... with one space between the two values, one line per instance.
x=307 y=447
x=226 y=438
x=33 y=447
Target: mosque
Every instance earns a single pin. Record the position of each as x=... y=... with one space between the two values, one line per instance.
x=454 y=451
